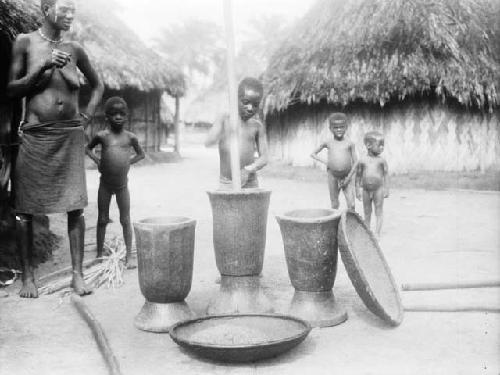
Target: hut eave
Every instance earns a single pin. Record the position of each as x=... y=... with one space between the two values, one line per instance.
x=376 y=51
x=119 y=56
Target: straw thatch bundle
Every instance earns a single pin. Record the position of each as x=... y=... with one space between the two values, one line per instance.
x=108 y=272
x=120 y=57
x=17 y=17
x=378 y=51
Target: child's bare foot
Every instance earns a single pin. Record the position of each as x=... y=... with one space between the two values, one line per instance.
x=79 y=286
x=130 y=262
x=29 y=289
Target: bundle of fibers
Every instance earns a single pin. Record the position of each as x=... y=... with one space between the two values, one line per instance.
x=108 y=272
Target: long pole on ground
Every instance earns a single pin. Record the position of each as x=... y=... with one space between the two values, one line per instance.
x=177 y=146
x=451 y=285
x=445 y=309
x=233 y=96
x=146 y=123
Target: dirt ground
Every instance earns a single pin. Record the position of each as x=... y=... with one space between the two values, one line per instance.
x=430 y=236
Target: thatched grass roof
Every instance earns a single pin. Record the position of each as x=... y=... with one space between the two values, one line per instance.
x=120 y=57
x=17 y=17
x=378 y=51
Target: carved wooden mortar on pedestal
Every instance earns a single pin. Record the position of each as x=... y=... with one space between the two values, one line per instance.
x=165 y=251
x=239 y=235
x=311 y=250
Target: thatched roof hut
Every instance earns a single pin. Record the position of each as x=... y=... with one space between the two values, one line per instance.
x=125 y=64
x=120 y=57
x=379 y=50
x=380 y=59
x=17 y=17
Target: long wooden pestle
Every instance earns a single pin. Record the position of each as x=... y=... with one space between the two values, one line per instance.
x=233 y=96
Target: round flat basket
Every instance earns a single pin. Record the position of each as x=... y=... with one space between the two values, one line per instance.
x=240 y=338
x=368 y=269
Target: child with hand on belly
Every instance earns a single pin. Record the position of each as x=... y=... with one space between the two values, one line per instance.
x=341 y=163
x=372 y=179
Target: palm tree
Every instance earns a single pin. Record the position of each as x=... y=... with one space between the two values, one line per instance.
x=195 y=45
x=261 y=39
x=263 y=36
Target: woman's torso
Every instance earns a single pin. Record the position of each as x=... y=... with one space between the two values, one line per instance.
x=56 y=96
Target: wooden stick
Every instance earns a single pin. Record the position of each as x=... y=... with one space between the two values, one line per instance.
x=177 y=146
x=427 y=308
x=451 y=285
x=99 y=335
x=146 y=123
x=233 y=96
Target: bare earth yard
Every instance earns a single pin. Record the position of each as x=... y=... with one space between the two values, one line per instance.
x=428 y=235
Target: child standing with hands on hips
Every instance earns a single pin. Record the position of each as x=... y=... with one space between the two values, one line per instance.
x=114 y=165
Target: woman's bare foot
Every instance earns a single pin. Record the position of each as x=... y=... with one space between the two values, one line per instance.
x=29 y=289
x=130 y=262
x=79 y=286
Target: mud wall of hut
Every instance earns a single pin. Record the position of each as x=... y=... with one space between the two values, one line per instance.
x=418 y=136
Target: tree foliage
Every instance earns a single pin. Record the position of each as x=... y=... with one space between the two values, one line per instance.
x=195 y=45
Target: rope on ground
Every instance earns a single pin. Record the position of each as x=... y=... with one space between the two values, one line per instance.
x=99 y=335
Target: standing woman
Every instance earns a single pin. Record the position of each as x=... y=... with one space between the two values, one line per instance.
x=50 y=172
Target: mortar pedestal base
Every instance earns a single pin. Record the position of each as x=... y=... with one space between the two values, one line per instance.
x=159 y=317
x=240 y=295
x=317 y=308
